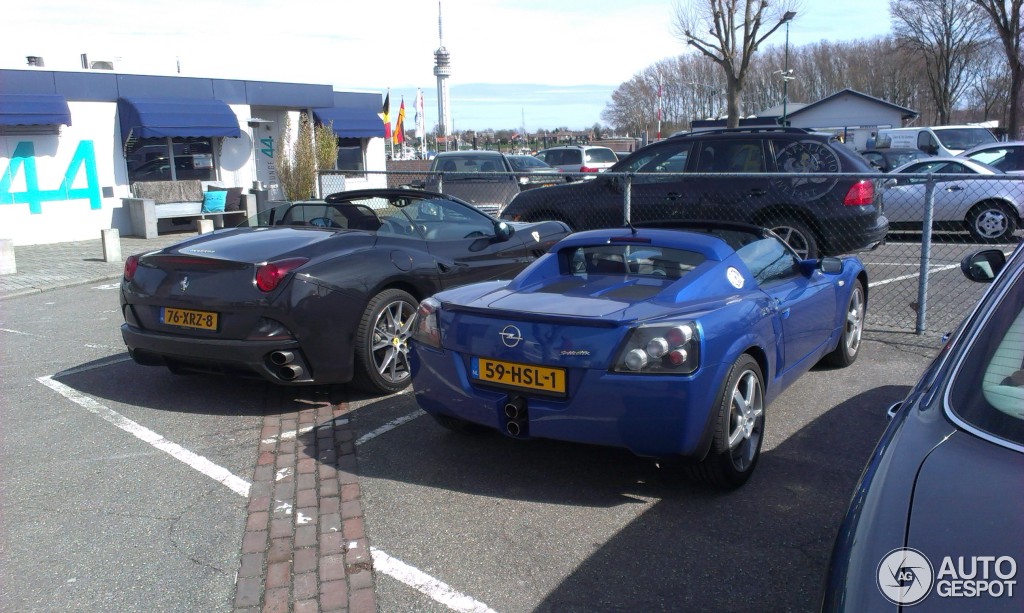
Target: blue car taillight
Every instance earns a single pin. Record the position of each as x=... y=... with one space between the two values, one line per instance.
x=670 y=349
x=425 y=330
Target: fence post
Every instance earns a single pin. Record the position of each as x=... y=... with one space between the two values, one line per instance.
x=926 y=253
x=627 y=195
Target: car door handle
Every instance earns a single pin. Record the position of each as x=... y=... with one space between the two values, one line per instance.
x=954 y=188
x=446 y=268
x=758 y=192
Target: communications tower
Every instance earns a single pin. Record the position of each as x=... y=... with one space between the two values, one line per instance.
x=442 y=70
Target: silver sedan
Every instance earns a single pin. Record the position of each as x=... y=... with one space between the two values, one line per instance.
x=990 y=209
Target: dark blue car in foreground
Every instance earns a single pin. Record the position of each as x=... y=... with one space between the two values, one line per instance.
x=669 y=341
x=937 y=519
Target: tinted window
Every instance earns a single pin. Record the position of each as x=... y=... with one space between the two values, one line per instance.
x=643 y=261
x=666 y=158
x=1003 y=158
x=964 y=138
x=599 y=155
x=149 y=159
x=524 y=162
x=988 y=389
x=768 y=259
x=733 y=155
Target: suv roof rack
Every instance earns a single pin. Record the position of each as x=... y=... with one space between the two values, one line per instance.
x=788 y=130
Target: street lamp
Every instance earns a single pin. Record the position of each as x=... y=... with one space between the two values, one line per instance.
x=786 y=73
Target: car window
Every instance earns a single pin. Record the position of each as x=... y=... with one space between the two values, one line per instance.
x=469 y=163
x=987 y=390
x=668 y=158
x=1003 y=158
x=600 y=155
x=440 y=219
x=964 y=138
x=768 y=259
x=875 y=158
x=642 y=261
x=734 y=155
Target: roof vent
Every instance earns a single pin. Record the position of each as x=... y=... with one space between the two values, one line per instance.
x=35 y=60
x=101 y=65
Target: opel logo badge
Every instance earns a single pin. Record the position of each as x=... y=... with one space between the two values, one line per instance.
x=183 y=285
x=510 y=335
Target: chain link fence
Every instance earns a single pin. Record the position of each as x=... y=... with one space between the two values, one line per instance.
x=915 y=284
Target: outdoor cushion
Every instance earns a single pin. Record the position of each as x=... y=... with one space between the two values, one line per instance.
x=213 y=201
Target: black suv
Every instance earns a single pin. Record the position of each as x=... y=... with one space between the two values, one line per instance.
x=730 y=175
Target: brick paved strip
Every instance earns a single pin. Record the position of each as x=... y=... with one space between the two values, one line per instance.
x=305 y=546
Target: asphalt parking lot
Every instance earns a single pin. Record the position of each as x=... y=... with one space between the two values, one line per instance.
x=95 y=519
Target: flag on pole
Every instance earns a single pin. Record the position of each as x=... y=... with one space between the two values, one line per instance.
x=383 y=114
x=399 y=135
x=420 y=119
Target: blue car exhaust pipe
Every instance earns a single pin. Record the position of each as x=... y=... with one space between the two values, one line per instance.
x=515 y=412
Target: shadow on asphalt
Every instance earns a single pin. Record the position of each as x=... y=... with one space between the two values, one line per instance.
x=155 y=387
x=763 y=547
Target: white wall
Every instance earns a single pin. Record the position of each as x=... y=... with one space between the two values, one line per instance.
x=63 y=210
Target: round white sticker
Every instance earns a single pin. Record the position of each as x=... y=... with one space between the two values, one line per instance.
x=734 y=277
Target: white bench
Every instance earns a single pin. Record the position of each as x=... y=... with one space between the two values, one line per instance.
x=156 y=200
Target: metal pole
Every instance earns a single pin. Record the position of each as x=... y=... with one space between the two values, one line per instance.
x=926 y=247
x=785 y=79
x=627 y=192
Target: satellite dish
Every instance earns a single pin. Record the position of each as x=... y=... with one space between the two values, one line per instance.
x=235 y=152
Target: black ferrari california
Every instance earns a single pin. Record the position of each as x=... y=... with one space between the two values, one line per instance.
x=317 y=292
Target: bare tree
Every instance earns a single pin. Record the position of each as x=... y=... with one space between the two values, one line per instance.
x=1006 y=16
x=948 y=34
x=729 y=44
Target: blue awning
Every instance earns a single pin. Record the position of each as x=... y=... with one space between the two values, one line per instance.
x=351 y=123
x=37 y=110
x=175 y=117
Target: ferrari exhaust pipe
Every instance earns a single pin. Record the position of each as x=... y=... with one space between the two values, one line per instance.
x=290 y=372
x=282 y=357
x=515 y=408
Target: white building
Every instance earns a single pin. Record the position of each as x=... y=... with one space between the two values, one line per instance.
x=72 y=143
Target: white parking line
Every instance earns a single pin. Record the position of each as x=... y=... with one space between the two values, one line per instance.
x=916 y=274
x=217 y=473
x=391 y=425
x=424 y=583
x=392 y=567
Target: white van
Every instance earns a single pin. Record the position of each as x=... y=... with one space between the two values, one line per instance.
x=935 y=140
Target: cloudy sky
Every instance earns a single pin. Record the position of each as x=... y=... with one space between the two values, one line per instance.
x=371 y=46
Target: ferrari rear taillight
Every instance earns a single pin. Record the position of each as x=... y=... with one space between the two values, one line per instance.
x=270 y=275
x=130 y=265
x=860 y=193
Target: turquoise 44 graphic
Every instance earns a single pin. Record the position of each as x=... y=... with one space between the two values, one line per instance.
x=24 y=161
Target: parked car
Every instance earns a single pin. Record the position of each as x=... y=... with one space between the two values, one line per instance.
x=990 y=210
x=1007 y=156
x=944 y=141
x=532 y=172
x=943 y=487
x=324 y=292
x=485 y=179
x=887 y=159
x=678 y=178
x=669 y=341
x=578 y=158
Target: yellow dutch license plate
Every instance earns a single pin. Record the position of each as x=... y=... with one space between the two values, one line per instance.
x=524 y=376
x=184 y=318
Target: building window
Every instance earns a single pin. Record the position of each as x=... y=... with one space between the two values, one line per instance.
x=350 y=155
x=169 y=159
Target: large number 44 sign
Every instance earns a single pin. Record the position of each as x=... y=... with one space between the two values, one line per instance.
x=24 y=161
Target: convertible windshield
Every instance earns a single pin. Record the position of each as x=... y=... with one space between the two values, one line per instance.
x=988 y=388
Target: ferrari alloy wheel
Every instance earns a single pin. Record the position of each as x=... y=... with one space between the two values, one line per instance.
x=991 y=222
x=797 y=235
x=739 y=429
x=853 y=328
x=382 y=342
